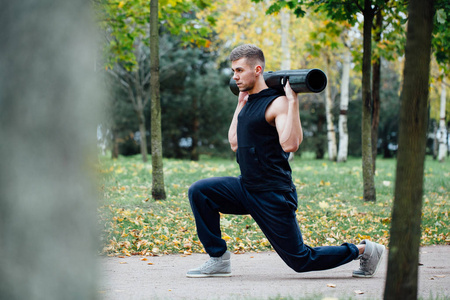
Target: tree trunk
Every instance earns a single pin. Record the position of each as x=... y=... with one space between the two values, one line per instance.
x=285 y=49
x=401 y=281
x=331 y=134
x=376 y=78
x=366 y=135
x=115 y=145
x=320 y=139
x=158 y=190
x=435 y=141
x=442 y=128
x=49 y=100
x=285 y=19
x=142 y=129
x=195 y=128
x=343 y=130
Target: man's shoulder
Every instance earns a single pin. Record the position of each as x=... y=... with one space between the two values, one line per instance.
x=277 y=107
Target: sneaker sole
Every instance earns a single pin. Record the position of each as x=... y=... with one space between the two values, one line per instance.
x=376 y=268
x=208 y=275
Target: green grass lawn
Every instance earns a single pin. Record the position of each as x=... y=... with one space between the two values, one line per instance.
x=331 y=210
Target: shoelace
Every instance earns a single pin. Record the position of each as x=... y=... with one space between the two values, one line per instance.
x=363 y=263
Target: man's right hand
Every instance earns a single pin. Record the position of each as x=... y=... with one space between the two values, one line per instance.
x=243 y=97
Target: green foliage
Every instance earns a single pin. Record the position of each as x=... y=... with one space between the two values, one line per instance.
x=126 y=24
x=441 y=34
x=196 y=103
x=330 y=210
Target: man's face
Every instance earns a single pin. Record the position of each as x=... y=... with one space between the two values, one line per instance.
x=244 y=74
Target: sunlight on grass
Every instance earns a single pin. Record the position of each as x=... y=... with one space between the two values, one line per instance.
x=330 y=212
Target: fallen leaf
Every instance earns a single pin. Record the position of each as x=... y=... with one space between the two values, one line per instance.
x=331 y=285
x=123 y=262
x=149 y=263
x=359 y=292
x=323 y=204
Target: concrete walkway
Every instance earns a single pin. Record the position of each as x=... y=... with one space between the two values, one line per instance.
x=260 y=276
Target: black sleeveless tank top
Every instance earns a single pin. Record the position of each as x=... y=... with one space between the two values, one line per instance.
x=264 y=164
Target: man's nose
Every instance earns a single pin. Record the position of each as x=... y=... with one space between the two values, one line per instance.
x=235 y=76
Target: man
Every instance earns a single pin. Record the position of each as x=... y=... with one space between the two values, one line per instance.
x=265 y=128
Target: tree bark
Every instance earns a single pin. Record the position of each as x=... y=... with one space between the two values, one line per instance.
x=343 y=130
x=158 y=190
x=376 y=78
x=285 y=20
x=115 y=145
x=195 y=127
x=331 y=134
x=401 y=281
x=442 y=128
x=366 y=135
x=49 y=105
x=142 y=129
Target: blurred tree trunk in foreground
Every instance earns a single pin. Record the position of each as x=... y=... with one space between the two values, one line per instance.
x=401 y=281
x=48 y=100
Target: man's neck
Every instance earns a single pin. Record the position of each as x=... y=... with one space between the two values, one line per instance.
x=259 y=86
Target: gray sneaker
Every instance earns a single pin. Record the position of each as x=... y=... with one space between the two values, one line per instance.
x=370 y=259
x=214 y=267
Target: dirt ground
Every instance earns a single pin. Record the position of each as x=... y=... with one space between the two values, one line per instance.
x=260 y=276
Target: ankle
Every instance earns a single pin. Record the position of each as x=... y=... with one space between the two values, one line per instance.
x=361 y=248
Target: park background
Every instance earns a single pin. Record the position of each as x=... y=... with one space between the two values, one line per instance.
x=70 y=84
x=196 y=106
x=196 y=103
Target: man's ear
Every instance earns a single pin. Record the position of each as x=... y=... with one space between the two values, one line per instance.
x=258 y=70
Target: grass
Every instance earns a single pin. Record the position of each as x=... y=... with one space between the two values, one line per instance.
x=331 y=210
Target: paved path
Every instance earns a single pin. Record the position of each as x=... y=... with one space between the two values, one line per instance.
x=260 y=276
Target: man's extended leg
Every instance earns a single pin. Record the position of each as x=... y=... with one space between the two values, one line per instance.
x=275 y=214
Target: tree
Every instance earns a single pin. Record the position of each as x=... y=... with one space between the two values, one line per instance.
x=49 y=105
x=442 y=126
x=126 y=24
x=324 y=45
x=368 y=12
x=441 y=50
x=158 y=191
x=345 y=82
x=389 y=39
x=196 y=101
x=135 y=84
x=401 y=281
x=347 y=10
x=376 y=78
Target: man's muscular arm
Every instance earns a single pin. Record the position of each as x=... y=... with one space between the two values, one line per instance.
x=232 y=132
x=285 y=115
